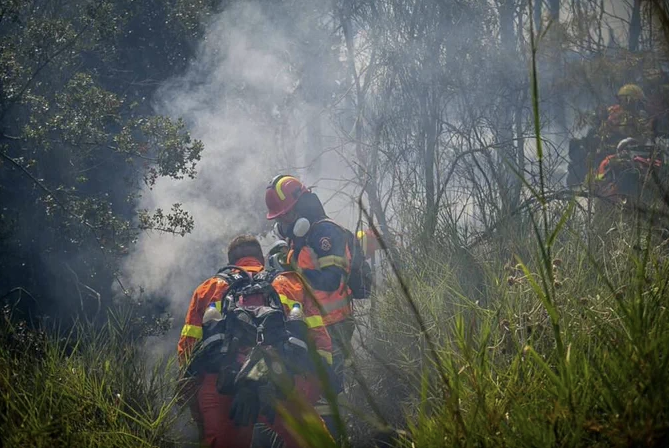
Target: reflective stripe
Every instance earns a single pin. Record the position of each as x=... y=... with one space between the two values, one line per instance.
x=279 y=185
x=192 y=331
x=314 y=321
x=212 y=339
x=286 y=301
x=362 y=237
x=326 y=355
x=218 y=305
x=336 y=305
x=333 y=260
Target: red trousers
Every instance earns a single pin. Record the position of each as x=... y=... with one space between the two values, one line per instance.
x=220 y=432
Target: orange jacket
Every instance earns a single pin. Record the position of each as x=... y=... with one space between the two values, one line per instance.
x=290 y=292
x=323 y=257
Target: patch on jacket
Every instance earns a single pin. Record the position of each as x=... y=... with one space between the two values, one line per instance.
x=326 y=244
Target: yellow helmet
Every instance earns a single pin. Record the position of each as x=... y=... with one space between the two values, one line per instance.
x=632 y=91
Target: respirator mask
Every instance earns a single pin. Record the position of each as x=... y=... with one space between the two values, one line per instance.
x=299 y=229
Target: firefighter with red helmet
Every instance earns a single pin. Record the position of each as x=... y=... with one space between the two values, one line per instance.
x=322 y=252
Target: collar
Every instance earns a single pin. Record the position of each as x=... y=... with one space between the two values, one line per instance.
x=250 y=264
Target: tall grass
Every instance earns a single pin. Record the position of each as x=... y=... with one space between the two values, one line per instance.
x=570 y=348
x=608 y=386
x=89 y=388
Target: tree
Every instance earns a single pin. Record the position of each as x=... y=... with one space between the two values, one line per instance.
x=78 y=137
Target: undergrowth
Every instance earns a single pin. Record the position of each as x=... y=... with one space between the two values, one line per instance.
x=574 y=357
x=89 y=388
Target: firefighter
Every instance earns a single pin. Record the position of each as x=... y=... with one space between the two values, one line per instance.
x=627 y=118
x=320 y=251
x=213 y=411
x=368 y=242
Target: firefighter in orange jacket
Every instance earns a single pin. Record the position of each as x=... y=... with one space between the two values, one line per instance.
x=211 y=409
x=321 y=254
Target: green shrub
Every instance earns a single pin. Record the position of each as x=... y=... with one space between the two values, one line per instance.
x=90 y=388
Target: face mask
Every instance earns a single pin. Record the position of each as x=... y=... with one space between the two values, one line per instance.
x=301 y=227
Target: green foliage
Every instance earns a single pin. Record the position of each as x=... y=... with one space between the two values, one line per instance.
x=569 y=350
x=514 y=385
x=78 y=134
x=91 y=388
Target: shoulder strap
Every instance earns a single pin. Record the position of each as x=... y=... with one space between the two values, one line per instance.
x=233 y=275
x=237 y=278
x=245 y=283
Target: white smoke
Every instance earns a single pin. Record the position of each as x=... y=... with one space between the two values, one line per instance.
x=243 y=96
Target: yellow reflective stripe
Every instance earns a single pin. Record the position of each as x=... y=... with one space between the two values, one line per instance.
x=326 y=355
x=278 y=186
x=362 y=236
x=333 y=260
x=314 y=321
x=288 y=302
x=192 y=331
x=218 y=305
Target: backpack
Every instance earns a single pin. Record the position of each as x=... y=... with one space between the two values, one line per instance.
x=225 y=342
x=228 y=345
x=360 y=278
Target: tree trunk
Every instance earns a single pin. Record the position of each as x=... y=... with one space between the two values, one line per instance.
x=635 y=26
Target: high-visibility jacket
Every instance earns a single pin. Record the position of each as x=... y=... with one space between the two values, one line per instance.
x=324 y=259
x=290 y=291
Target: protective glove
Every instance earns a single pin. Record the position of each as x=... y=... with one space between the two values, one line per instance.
x=225 y=381
x=245 y=406
x=268 y=397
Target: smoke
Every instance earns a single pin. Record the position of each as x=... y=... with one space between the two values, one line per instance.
x=254 y=95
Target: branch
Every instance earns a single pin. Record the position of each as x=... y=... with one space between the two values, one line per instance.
x=39 y=69
x=60 y=204
x=21 y=290
x=432 y=348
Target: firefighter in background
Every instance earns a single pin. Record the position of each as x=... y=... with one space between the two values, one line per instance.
x=368 y=242
x=626 y=119
x=212 y=410
x=323 y=254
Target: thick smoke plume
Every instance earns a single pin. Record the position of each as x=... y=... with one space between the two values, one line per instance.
x=244 y=96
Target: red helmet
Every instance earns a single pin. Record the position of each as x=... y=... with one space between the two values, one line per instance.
x=282 y=195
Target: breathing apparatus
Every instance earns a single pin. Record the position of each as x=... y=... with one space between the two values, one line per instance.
x=277 y=256
x=299 y=229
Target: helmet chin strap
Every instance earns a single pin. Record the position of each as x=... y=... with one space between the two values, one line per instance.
x=301 y=227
